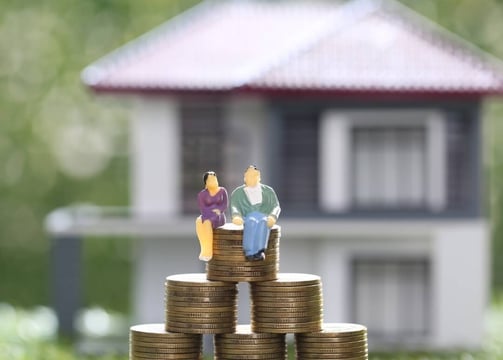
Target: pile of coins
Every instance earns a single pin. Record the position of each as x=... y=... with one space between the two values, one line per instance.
x=335 y=341
x=151 y=341
x=281 y=303
x=229 y=263
x=196 y=305
x=291 y=304
x=245 y=344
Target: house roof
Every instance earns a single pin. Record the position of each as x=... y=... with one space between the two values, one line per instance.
x=360 y=46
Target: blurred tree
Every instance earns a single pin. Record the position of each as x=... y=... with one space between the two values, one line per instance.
x=59 y=144
x=480 y=22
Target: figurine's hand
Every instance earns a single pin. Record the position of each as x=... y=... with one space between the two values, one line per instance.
x=216 y=211
x=237 y=220
x=271 y=220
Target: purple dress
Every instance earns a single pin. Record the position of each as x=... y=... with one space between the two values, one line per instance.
x=207 y=203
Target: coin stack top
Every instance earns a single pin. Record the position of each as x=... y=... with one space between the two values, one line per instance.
x=245 y=344
x=229 y=263
x=291 y=304
x=340 y=341
x=151 y=341
x=196 y=305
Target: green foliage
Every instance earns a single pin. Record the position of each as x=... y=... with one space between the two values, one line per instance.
x=59 y=144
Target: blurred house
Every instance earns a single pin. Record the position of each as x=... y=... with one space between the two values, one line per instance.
x=363 y=115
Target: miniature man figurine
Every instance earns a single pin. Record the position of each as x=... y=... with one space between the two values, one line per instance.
x=213 y=202
x=256 y=207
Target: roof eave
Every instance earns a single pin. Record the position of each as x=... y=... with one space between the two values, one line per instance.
x=363 y=93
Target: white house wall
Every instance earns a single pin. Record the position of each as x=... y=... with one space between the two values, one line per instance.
x=461 y=285
x=155 y=183
x=155 y=157
x=457 y=252
x=157 y=258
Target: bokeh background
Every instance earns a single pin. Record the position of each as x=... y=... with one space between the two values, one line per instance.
x=61 y=145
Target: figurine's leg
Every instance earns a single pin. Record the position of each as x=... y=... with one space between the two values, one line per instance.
x=204 y=231
x=263 y=232
x=250 y=234
x=255 y=234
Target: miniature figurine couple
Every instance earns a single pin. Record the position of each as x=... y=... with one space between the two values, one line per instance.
x=253 y=205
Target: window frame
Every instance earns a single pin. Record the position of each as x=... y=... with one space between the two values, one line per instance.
x=336 y=128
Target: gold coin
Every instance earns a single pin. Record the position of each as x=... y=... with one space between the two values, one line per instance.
x=265 y=311
x=293 y=279
x=197 y=322
x=242 y=278
x=286 y=319
x=183 y=341
x=330 y=340
x=329 y=356
x=359 y=344
x=278 y=299
x=231 y=287
x=203 y=315
x=238 y=259
x=230 y=227
x=146 y=356
x=244 y=331
x=289 y=294
x=288 y=316
x=188 y=301
x=274 y=289
x=263 y=356
x=269 y=348
x=243 y=267
x=289 y=303
x=312 y=347
x=156 y=350
x=239 y=237
x=249 y=348
x=251 y=343
x=225 y=246
x=199 y=328
x=212 y=303
x=196 y=309
x=179 y=302
x=165 y=345
x=263 y=272
x=230 y=312
x=195 y=280
x=286 y=328
x=195 y=293
x=157 y=329
x=340 y=330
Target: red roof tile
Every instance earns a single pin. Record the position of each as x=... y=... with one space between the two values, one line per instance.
x=362 y=45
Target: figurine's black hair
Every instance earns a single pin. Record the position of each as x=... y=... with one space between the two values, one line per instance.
x=206 y=174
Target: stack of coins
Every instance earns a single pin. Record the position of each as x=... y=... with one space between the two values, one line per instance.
x=334 y=341
x=291 y=304
x=244 y=344
x=150 y=341
x=196 y=305
x=229 y=263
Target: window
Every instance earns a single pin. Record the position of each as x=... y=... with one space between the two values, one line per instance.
x=391 y=298
x=202 y=148
x=388 y=167
x=382 y=160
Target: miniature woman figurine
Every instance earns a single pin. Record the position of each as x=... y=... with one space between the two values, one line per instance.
x=256 y=207
x=212 y=202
